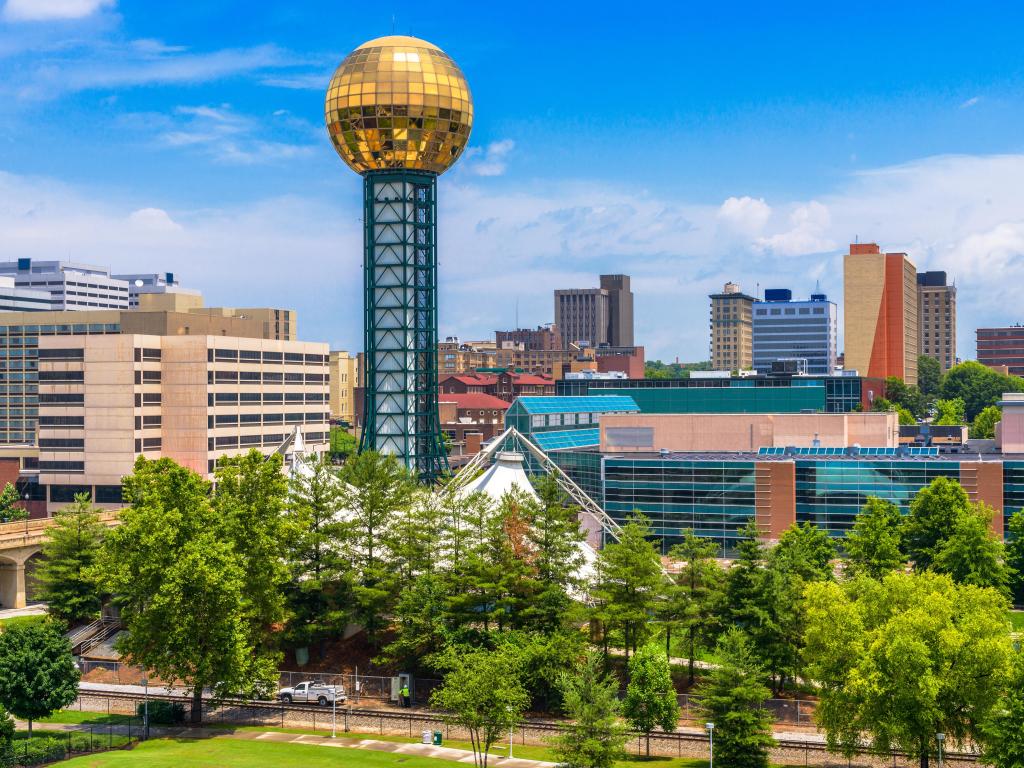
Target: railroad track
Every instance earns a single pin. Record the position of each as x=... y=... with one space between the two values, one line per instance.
x=384 y=715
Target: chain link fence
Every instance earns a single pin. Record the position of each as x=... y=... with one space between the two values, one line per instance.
x=50 y=746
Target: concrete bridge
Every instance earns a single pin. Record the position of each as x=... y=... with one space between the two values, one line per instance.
x=20 y=547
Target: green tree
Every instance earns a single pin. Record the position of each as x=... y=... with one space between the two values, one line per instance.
x=314 y=533
x=38 y=674
x=972 y=553
x=594 y=738
x=745 y=578
x=904 y=658
x=978 y=386
x=933 y=514
x=343 y=443
x=250 y=495
x=628 y=583
x=65 y=576
x=483 y=693
x=949 y=413
x=805 y=550
x=181 y=586
x=378 y=490
x=873 y=544
x=929 y=376
x=732 y=697
x=11 y=509
x=695 y=596
x=1003 y=731
x=984 y=425
x=1015 y=555
x=884 y=405
x=7 y=731
x=905 y=396
x=555 y=540
x=651 y=700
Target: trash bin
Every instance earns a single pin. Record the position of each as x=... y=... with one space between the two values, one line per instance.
x=437 y=738
x=425 y=737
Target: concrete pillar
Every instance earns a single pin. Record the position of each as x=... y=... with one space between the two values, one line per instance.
x=12 y=585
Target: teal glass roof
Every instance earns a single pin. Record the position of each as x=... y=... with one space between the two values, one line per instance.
x=567 y=438
x=584 y=404
x=765 y=451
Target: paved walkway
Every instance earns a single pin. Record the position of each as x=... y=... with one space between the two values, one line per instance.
x=32 y=610
x=398 y=747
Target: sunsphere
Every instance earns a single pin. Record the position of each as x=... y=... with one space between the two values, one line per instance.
x=399 y=102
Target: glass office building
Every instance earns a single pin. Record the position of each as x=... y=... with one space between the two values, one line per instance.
x=753 y=394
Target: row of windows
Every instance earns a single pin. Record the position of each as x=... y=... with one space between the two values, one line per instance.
x=254 y=441
x=255 y=419
x=58 y=330
x=272 y=358
x=266 y=398
x=254 y=377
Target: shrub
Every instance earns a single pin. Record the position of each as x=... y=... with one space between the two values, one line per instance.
x=163 y=712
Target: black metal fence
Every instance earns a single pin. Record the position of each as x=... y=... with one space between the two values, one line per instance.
x=48 y=746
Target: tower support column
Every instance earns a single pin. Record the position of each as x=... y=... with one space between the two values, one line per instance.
x=400 y=412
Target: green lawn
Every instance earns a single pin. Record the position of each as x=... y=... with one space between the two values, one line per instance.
x=74 y=717
x=230 y=753
x=22 y=621
x=1017 y=620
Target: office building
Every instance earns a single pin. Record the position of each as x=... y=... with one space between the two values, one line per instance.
x=343 y=383
x=784 y=330
x=71 y=286
x=159 y=315
x=620 y=310
x=732 y=333
x=737 y=394
x=1002 y=348
x=106 y=398
x=468 y=420
x=155 y=282
x=881 y=314
x=595 y=317
x=541 y=338
x=504 y=385
x=17 y=299
x=936 y=318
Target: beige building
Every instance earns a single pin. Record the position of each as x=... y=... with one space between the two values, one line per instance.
x=936 y=313
x=105 y=399
x=880 y=313
x=343 y=385
x=711 y=432
x=732 y=329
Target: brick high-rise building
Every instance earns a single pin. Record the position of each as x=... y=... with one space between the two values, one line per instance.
x=936 y=317
x=596 y=317
x=541 y=338
x=881 y=316
x=1002 y=347
x=732 y=334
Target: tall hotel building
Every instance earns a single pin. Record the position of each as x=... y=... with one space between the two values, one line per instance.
x=596 y=317
x=784 y=329
x=83 y=393
x=732 y=329
x=881 y=314
x=936 y=303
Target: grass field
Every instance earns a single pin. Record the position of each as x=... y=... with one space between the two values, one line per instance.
x=1017 y=620
x=74 y=717
x=21 y=621
x=229 y=753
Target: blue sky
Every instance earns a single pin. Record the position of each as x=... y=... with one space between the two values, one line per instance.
x=683 y=143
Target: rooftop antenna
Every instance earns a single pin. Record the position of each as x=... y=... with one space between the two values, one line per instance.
x=517 y=313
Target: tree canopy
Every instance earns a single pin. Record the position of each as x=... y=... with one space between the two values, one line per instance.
x=67 y=581
x=650 y=695
x=978 y=386
x=901 y=659
x=38 y=674
x=874 y=543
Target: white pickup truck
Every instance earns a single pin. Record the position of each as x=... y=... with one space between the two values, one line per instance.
x=310 y=692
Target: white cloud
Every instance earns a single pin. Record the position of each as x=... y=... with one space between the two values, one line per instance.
x=489 y=161
x=154 y=220
x=960 y=214
x=745 y=215
x=970 y=102
x=807 y=233
x=51 y=10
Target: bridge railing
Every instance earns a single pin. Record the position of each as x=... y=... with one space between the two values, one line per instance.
x=21 y=530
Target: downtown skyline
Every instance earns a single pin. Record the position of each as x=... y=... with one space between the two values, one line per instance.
x=688 y=150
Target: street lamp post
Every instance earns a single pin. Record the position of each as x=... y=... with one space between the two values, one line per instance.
x=511 y=728
x=939 y=738
x=334 y=712
x=145 y=710
x=711 y=744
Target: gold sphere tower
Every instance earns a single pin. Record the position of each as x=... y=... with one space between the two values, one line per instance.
x=399 y=113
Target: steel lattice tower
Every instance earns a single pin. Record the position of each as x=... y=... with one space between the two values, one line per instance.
x=399 y=113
